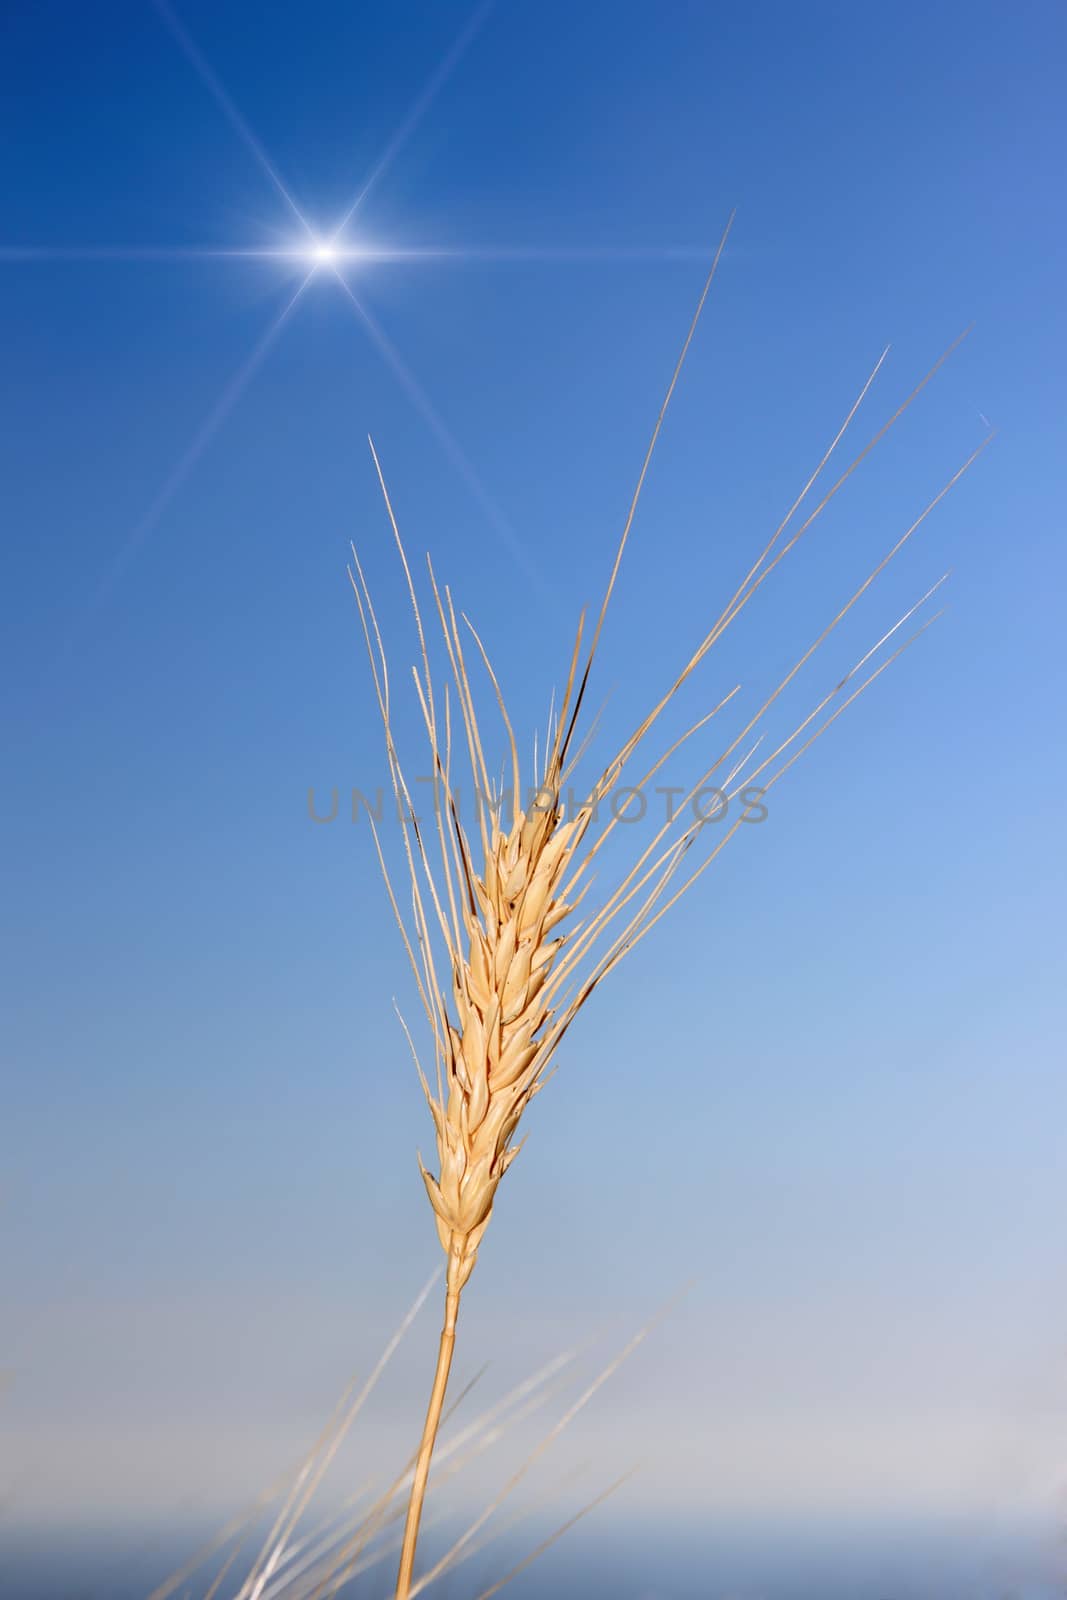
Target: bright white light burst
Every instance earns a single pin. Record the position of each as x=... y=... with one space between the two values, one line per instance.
x=324 y=254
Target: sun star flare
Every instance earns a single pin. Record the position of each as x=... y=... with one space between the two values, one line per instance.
x=324 y=253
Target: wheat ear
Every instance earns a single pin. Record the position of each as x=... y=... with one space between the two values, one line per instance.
x=516 y=978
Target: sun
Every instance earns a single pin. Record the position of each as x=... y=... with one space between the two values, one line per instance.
x=323 y=253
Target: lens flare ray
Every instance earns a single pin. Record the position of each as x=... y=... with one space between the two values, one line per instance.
x=421 y=105
x=329 y=251
x=422 y=403
x=199 y=443
x=215 y=87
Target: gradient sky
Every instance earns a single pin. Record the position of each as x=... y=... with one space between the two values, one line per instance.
x=831 y=1088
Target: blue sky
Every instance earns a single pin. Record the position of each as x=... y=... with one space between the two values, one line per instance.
x=831 y=1087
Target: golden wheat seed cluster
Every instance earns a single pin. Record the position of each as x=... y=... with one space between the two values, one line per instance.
x=494 y=1051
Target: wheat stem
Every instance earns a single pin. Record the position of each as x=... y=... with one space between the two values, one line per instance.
x=445 y=1348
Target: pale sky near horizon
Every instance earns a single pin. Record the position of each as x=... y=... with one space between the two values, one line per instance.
x=830 y=1089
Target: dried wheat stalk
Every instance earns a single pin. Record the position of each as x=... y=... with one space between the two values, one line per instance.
x=498 y=908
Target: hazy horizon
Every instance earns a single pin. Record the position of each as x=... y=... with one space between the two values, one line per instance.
x=771 y=1558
